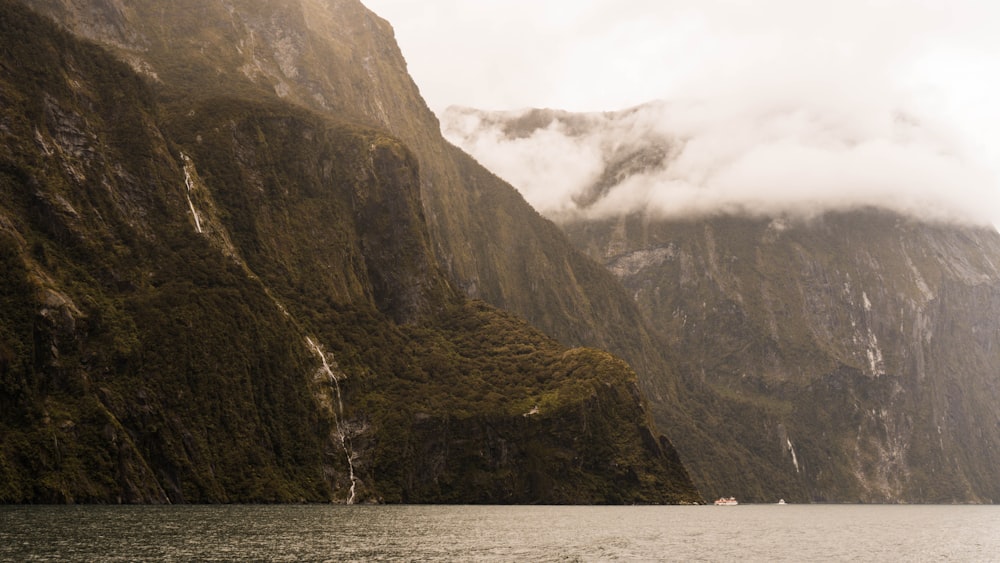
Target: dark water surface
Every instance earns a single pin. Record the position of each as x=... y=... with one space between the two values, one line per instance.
x=500 y=533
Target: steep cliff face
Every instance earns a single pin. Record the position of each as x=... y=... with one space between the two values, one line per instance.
x=777 y=379
x=855 y=353
x=850 y=356
x=335 y=56
x=212 y=294
x=140 y=363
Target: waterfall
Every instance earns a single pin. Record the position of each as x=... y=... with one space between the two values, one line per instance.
x=795 y=460
x=874 y=353
x=189 y=182
x=338 y=412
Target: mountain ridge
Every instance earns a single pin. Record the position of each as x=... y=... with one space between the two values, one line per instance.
x=215 y=295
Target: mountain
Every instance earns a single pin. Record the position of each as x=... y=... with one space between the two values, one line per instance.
x=849 y=355
x=240 y=264
x=853 y=354
x=336 y=57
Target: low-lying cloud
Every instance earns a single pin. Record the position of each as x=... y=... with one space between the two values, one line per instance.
x=799 y=152
x=777 y=106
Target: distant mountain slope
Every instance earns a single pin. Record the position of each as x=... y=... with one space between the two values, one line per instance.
x=857 y=353
x=850 y=356
x=211 y=293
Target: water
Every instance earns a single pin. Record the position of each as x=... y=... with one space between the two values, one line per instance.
x=495 y=533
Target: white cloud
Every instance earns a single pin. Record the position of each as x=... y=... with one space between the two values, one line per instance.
x=707 y=157
x=549 y=166
x=778 y=101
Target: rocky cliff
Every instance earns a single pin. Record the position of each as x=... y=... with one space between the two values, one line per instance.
x=226 y=278
x=262 y=208
x=850 y=357
x=335 y=56
x=842 y=356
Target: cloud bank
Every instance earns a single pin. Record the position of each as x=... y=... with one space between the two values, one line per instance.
x=801 y=153
x=774 y=105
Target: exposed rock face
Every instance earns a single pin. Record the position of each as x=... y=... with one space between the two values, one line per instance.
x=217 y=287
x=813 y=356
x=850 y=357
x=336 y=56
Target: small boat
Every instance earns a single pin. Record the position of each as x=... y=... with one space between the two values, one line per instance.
x=781 y=501
x=731 y=501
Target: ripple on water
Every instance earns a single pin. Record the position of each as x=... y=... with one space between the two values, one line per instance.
x=490 y=533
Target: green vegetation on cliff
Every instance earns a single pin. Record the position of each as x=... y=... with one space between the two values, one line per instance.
x=224 y=297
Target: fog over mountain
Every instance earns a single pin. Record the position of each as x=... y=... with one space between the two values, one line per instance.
x=772 y=106
x=799 y=153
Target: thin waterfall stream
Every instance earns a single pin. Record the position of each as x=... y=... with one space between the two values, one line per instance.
x=338 y=413
x=189 y=183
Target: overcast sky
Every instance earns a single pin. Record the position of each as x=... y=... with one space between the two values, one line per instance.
x=936 y=61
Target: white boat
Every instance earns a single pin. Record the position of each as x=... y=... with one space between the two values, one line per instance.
x=731 y=501
x=781 y=501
